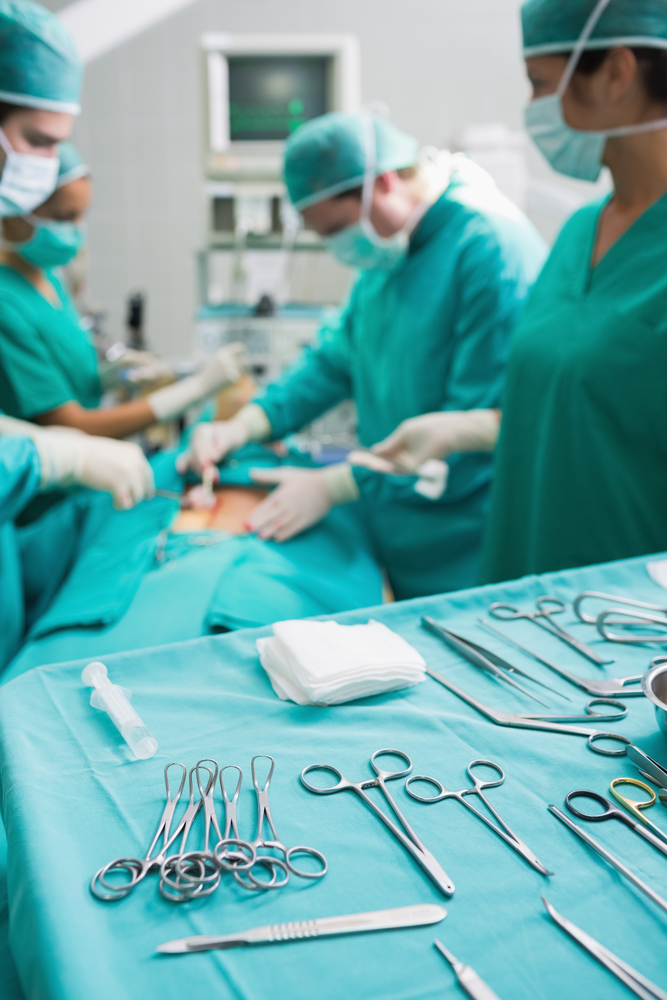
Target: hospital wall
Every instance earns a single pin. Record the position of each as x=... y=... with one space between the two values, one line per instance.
x=438 y=64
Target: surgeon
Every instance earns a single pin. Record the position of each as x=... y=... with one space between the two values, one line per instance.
x=48 y=366
x=40 y=77
x=582 y=457
x=445 y=263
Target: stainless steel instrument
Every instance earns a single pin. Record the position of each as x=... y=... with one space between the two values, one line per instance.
x=469 y=981
x=356 y=923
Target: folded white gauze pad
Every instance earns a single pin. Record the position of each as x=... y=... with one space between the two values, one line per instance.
x=324 y=663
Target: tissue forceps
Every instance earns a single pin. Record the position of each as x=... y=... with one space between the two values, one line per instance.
x=634 y=980
x=478 y=786
x=613 y=687
x=285 y=865
x=478 y=656
x=604 y=626
x=405 y=835
x=547 y=607
x=174 y=889
x=138 y=868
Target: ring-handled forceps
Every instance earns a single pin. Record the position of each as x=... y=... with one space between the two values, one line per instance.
x=261 y=843
x=138 y=868
x=228 y=860
x=615 y=599
x=547 y=607
x=619 y=617
x=404 y=833
x=478 y=786
x=657 y=840
x=176 y=889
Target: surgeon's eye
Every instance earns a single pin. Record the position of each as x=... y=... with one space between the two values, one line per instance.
x=38 y=140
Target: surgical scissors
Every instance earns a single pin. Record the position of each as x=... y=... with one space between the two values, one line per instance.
x=557 y=724
x=611 y=812
x=613 y=687
x=547 y=607
x=286 y=865
x=503 y=831
x=405 y=836
x=138 y=868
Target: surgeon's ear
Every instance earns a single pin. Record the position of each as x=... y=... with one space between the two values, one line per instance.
x=621 y=72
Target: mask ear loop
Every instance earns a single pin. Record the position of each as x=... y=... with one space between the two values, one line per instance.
x=589 y=27
x=5 y=143
x=369 y=172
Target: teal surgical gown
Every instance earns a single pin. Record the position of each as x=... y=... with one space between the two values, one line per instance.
x=19 y=481
x=582 y=458
x=46 y=358
x=432 y=334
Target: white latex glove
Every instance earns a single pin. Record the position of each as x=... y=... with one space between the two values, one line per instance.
x=221 y=369
x=211 y=442
x=118 y=359
x=437 y=435
x=117 y=467
x=303 y=497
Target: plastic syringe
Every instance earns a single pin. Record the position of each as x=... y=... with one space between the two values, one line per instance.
x=115 y=701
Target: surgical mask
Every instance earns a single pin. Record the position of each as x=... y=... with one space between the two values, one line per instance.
x=26 y=181
x=359 y=245
x=573 y=152
x=53 y=244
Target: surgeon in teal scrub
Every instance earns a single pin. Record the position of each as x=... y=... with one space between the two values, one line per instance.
x=582 y=457
x=49 y=371
x=445 y=263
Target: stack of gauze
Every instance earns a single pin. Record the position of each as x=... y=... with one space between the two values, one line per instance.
x=324 y=663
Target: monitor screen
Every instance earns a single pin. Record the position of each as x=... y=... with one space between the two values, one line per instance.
x=270 y=96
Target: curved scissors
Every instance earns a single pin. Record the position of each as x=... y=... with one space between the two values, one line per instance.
x=503 y=830
x=547 y=607
x=286 y=864
x=405 y=836
x=138 y=868
x=611 y=812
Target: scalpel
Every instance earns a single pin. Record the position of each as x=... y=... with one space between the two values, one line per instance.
x=355 y=923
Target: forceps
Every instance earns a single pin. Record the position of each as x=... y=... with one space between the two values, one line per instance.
x=611 y=688
x=170 y=888
x=478 y=786
x=138 y=868
x=617 y=599
x=547 y=607
x=604 y=626
x=634 y=980
x=611 y=812
x=286 y=865
x=406 y=836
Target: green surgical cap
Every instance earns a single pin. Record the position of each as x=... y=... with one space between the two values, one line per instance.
x=39 y=66
x=71 y=165
x=555 y=25
x=327 y=155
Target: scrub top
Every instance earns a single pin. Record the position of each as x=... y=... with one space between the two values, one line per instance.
x=20 y=473
x=46 y=358
x=431 y=334
x=582 y=459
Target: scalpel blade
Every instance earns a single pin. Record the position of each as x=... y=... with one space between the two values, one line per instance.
x=355 y=923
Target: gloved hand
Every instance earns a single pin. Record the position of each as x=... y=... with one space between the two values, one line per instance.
x=117 y=467
x=221 y=369
x=303 y=497
x=437 y=435
x=211 y=442
x=118 y=359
